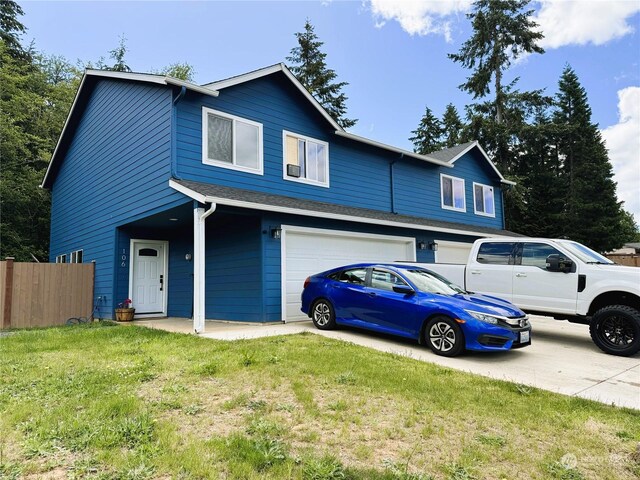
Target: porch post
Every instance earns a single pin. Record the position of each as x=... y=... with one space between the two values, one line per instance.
x=198 y=270
x=199 y=260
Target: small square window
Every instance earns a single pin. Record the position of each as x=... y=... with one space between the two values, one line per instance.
x=483 y=200
x=452 y=193
x=61 y=258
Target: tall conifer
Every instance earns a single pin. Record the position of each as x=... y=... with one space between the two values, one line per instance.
x=308 y=64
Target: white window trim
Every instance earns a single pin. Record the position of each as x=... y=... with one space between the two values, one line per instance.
x=286 y=133
x=59 y=258
x=73 y=258
x=464 y=194
x=231 y=166
x=493 y=191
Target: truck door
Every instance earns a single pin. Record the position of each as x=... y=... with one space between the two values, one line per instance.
x=536 y=288
x=491 y=271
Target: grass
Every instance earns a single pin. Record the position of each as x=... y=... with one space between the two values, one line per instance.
x=114 y=402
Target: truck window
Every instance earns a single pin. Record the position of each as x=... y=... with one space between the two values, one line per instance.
x=496 y=253
x=535 y=254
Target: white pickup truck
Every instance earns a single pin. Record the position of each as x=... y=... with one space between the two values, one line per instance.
x=558 y=278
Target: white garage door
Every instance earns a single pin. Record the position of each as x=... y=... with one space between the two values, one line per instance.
x=306 y=251
x=452 y=252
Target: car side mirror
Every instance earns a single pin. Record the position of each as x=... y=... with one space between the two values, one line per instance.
x=557 y=263
x=404 y=289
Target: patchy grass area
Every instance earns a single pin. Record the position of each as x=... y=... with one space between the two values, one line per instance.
x=112 y=402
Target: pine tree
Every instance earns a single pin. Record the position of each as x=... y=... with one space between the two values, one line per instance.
x=592 y=213
x=502 y=32
x=427 y=137
x=452 y=126
x=308 y=64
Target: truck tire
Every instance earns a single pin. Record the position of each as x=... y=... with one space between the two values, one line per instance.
x=615 y=329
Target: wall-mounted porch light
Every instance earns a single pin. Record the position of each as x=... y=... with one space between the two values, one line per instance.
x=433 y=246
x=276 y=233
x=188 y=257
x=422 y=245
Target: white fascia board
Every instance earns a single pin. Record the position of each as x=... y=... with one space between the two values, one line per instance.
x=384 y=146
x=312 y=213
x=64 y=129
x=484 y=154
x=151 y=78
x=278 y=67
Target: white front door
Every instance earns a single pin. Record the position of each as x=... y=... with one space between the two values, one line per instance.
x=148 y=276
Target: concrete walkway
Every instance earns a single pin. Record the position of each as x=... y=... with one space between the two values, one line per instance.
x=561 y=359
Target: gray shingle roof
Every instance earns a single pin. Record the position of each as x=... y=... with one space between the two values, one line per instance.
x=449 y=154
x=262 y=201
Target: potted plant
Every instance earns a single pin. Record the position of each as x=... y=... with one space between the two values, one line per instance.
x=124 y=312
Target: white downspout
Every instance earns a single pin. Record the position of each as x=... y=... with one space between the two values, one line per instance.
x=199 y=217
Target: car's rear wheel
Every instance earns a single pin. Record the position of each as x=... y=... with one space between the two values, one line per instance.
x=444 y=336
x=323 y=316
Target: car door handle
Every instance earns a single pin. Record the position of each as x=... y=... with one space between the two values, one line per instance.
x=371 y=294
x=475 y=272
x=521 y=274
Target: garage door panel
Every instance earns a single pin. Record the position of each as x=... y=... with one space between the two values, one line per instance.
x=307 y=253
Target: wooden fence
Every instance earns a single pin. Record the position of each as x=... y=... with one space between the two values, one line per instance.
x=44 y=294
x=632 y=260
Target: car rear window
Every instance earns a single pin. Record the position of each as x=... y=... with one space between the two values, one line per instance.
x=496 y=253
x=356 y=276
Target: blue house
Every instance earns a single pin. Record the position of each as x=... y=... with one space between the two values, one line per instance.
x=216 y=201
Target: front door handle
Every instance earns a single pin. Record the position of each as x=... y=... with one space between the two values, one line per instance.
x=475 y=272
x=521 y=274
x=372 y=294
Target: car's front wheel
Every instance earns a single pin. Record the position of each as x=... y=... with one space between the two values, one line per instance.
x=616 y=330
x=323 y=316
x=444 y=336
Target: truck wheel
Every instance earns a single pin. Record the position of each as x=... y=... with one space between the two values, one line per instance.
x=615 y=329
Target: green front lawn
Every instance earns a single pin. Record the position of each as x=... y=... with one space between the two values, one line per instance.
x=115 y=402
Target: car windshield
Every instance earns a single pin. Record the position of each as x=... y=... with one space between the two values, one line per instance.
x=430 y=282
x=585 y=253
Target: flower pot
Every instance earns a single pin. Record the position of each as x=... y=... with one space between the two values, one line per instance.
x=125 y=314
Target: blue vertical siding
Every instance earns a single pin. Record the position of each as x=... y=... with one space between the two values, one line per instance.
x=116 y=169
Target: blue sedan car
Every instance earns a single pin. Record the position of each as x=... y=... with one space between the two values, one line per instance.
x=416 y=303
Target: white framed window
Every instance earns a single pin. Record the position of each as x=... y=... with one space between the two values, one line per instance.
x=61 y=258
x=231 y=142
x=76 y=256
x=483 y=201
x=452 y=193
x=306 y=159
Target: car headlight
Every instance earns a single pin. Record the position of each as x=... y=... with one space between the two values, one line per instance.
x=483 y=317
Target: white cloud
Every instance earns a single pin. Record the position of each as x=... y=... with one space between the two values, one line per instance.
x=419 y=17
x=623 y=142
x=579 y=22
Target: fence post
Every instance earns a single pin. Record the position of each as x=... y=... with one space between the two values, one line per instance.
x=8 y=294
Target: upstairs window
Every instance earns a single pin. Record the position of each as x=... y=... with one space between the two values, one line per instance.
x=76 y=256
x=483 y=203
x=231 y=142
x=306 y=159
x=452 y=191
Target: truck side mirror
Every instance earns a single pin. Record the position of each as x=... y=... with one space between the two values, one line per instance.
x=557 y=263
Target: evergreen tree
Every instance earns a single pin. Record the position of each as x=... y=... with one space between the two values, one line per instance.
x=117 y=55
x=452 y=127
x=592 y=213
x=309 y=66
x=427 y=137
x=502 y=32
x=11 y=29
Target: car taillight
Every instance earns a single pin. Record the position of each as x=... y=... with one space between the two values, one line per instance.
x=307 y=282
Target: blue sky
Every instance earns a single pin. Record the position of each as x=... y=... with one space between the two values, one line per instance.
x=392 y=53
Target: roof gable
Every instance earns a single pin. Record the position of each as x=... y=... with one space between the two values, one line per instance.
x=451 y=155
x=262 y=72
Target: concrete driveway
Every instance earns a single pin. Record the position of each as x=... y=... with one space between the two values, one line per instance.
x=562 y=358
